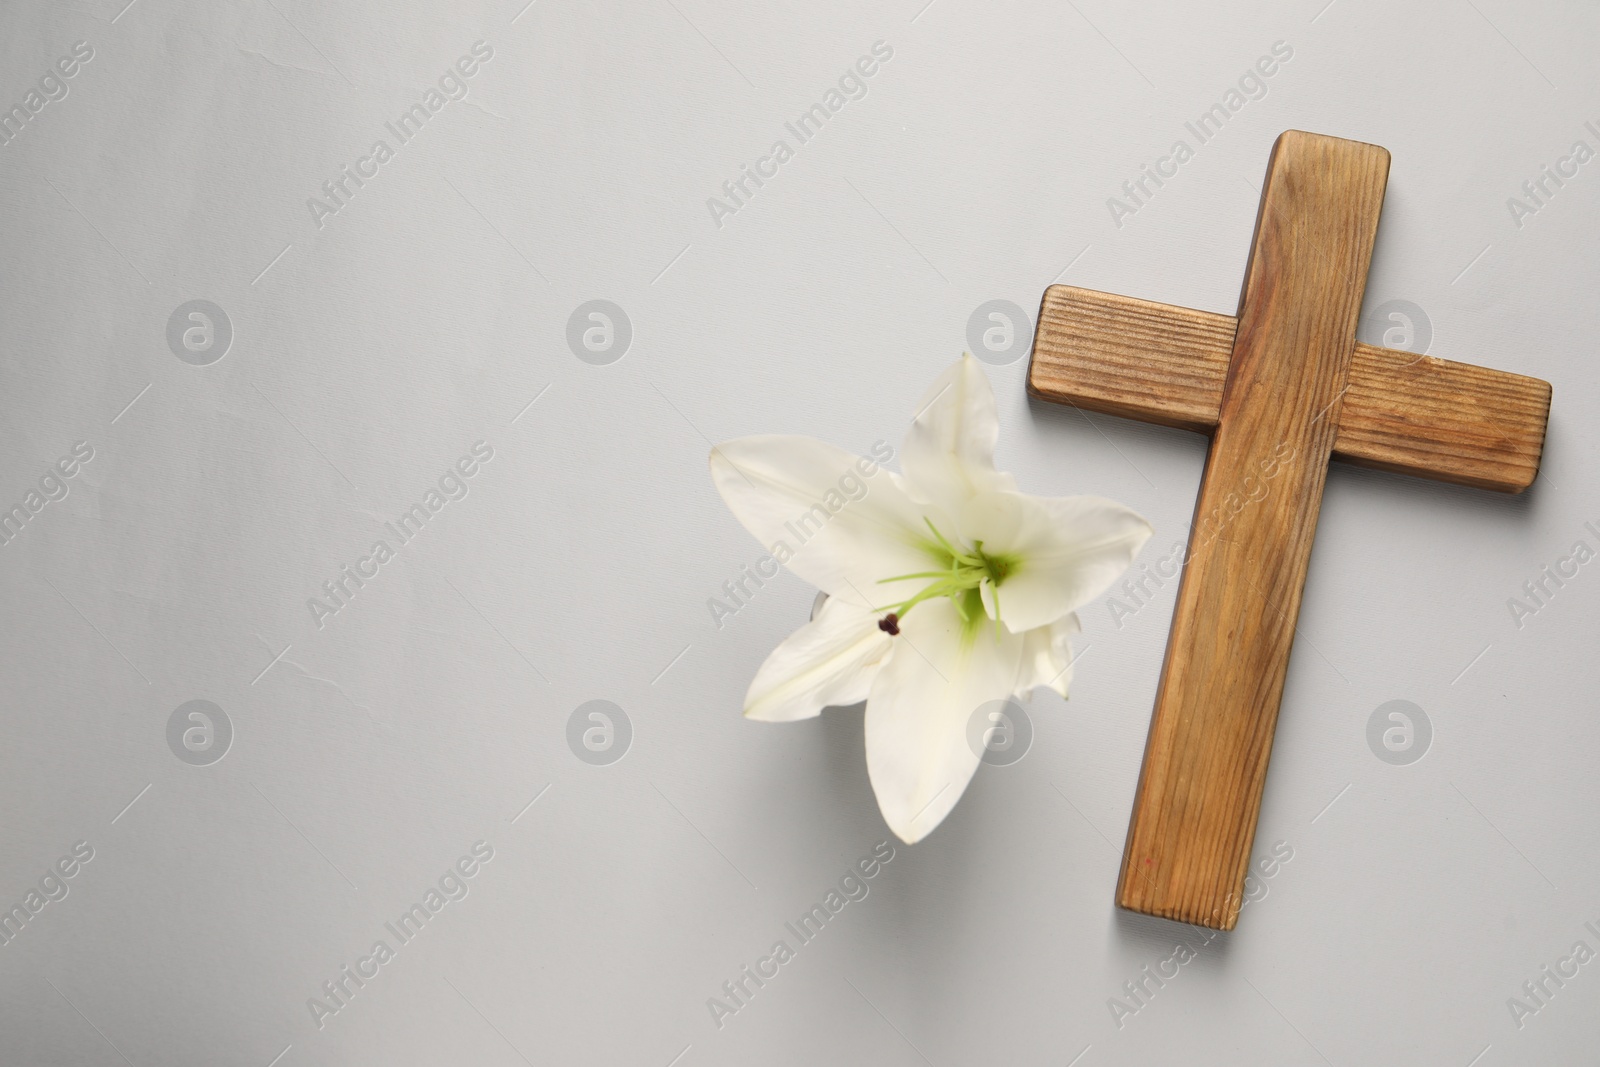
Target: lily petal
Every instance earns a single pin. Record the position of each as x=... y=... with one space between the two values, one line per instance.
x=841 y=529
x=948 y=454
x=1047 y=657
x=829 y=662
x=919 y=757
x=1069 y=550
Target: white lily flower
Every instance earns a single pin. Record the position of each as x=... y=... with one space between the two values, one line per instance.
x=947 y=588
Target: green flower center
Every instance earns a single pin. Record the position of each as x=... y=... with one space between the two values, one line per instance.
x=960 y=575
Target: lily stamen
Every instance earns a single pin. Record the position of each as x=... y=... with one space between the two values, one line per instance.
x=961 y=580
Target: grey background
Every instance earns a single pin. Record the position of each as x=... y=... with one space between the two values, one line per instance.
x=368 y=356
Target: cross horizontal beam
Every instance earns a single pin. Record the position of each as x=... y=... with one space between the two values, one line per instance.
x=1417 y=415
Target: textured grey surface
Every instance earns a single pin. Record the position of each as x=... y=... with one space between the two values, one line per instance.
x=369 y=354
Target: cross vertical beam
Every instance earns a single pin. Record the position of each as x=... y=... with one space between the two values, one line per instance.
x=1233 y=627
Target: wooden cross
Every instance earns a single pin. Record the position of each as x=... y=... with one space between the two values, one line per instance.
x=1280 y=388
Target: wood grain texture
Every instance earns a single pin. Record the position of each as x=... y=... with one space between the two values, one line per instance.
x=1134 y=358
x=1428 y=417
x=1452 y=422
x=1233 y=627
